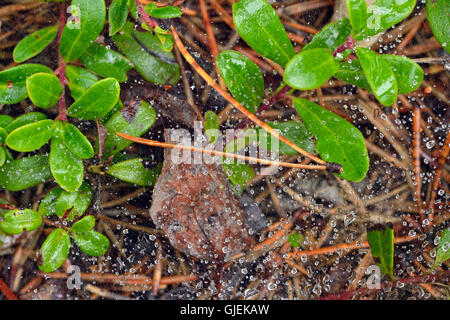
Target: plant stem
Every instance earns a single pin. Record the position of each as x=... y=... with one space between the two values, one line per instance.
x=61 y=71
x=349 y=44
x=145 y=16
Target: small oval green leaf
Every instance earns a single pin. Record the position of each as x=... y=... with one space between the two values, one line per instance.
x=443 y=250
x=84 y=225
x=438 y=13
x=295 y=132
x=25 y=119
x=238 y=173
x=380 y=76
x=211 y=126
x=134 y=171
x=166 y=12
x=243 y=78
x=54 y=251
x=34 y=43
x=117 y=15
x=76 y=142
x=13 y=82
x=79 y=80
x=2 y=156
x=337 y=139
x=331 y=36
x=409 y=75
x=310 y=69
x=381 y=241
x=352 y=72
x=82 y=28
x=18 y=221
x=5 y=120
x=77 y=202
x=44 y=89
x=258 y=24
x=96 y=101
x=106 y=62
x=31 y=136
x=295 y=239
x=47 y=207
x=24 y=173
x=92 y=243
x=357 y=12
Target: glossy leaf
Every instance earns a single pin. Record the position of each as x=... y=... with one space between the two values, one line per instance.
x=5 y=120
x=25 y=119
x=310 y=69
x=383 y=14
x=381 y=241
x=295 y=239
x=438 y=14
x=31 y=136
x=44 y=89
x=337 y=139
x=117 y=15
x=211 y=126
x=144 y=51
x=143 y=118
x=2 y=156
x=92 y=243
x=67 y=168
x=106 y=62
x=243 y=78
x=352 y=72
x=133 y=9
x=165 y=39
x=24 y=173
x=47 y=206
x=134 y=171
x=34 y=43
x=165 y=12
x=331 y=36
x=96 y=101
x=13 y=82
x=380 y=76
x=83 y=27
x=17 y=221
x=238 y=173
x=3 y=135
x=76 y=142
x=357 y=12
x=79 y=80
x=54 y=251
x=84 y=225
x=258 y=24
x=443 y=250
x=77 y=202
x=409 y=75
x=295 y=132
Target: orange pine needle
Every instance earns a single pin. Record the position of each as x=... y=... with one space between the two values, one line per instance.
x=416 y=116
x=154 y=143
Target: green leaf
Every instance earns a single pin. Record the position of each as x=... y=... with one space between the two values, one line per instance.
x=2 y=156
x=17 y=221
x=78 y=202
x=165 y=39
x=96 y=101
x=292 y=130
x=88 y=18
x=47 y=206
x=25 y=119
x=143 y=118
x=54 y=251
x=310 y=69
x=337 y=139
x=443 y=250
x=165 y=12
x=84 y=225
x=238 y=173
x=381 y=241
x=106 y=62
x=352 y=72
x=3 y=135
x=295 y=239
x=44 y=89
x=76 y=142
x=149 y=59
x=5 y=120
x=134 y=171
x=211 y=126
x=67 y=168
x=79 y=80
x=92 y=243
x=133 y=9
x=383 y=14
x=13 y=82
x=380 y=76
x=331 y=36
x=34 y=43
x=117 y=15
x=24 y=173
x=258 y=24
x=243 y=78
x=438 y=13
x=409 y=75
x=357 y=12
x=31 y=136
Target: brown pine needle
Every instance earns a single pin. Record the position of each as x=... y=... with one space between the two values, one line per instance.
x=331 y=166
x=220 y=153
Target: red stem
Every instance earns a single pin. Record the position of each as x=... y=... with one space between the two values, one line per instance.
x=349 y=44
x=9 y=294
x=61 y=71
x=145 y=16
